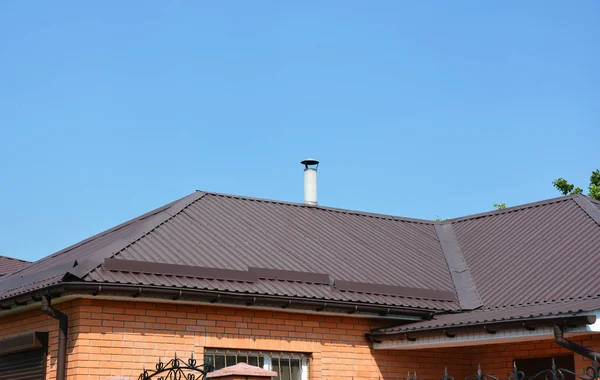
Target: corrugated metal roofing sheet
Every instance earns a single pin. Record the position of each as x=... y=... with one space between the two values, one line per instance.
x=53 y=280
x=9 y=264
x=538 y=252
x=549 y=251
x=228 y=232
x=499 y=315
x=237 y=233
x=269 y=287
x=93 y=249
x=596 y=203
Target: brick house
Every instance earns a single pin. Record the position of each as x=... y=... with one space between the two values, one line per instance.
x=310 y=292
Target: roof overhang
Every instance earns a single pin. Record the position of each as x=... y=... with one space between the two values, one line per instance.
x=491 y=333
x=146 y=293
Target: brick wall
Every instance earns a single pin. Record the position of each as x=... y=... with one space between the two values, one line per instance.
x=34 y=320
x=109 y=338
x=129 y=336
x=498 y=359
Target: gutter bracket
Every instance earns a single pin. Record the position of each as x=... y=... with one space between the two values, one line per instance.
x=527 y=327
x=370 y=338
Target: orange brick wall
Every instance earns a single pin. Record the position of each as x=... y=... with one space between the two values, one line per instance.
x=109 y=338
x=498 y=359
x=34 y=320
x=129 y=336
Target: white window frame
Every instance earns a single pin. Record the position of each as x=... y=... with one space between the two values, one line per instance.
x=267 y=357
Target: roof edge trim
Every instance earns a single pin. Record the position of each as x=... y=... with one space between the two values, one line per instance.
x=464 y=284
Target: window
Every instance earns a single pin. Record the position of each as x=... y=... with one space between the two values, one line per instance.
x=531 y=367
x=24 y=365
x=288 y=365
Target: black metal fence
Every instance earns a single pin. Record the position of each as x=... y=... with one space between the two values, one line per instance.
x=553 y=373
x=178 y=369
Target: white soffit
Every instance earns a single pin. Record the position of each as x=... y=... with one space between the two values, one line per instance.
x=481 y=337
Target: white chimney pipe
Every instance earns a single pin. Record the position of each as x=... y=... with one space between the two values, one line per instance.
x=310 y=181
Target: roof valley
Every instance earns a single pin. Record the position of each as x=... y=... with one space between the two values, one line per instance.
x=461 y=274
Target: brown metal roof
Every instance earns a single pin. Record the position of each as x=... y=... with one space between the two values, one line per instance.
x=498 y=315
x=497 y=259
x=236 y=233
x=85 y=255
x=534 y=253
x=9 y=264
x=270 y=287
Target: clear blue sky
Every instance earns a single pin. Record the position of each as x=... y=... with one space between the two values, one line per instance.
x=422 y=109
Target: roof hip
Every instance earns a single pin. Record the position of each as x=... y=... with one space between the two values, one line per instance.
x=586 y=205
x=97 y=259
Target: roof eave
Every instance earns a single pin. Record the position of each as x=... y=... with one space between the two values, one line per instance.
x=490 y=327
x=285 y=303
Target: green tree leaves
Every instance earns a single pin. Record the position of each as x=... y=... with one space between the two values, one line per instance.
x=500 y=206
x=567 y=188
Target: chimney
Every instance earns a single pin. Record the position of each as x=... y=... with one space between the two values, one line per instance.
x=310 y=181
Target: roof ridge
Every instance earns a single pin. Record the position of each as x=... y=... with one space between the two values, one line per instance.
x=403 y=218
x=513 y=208
x=324 y=208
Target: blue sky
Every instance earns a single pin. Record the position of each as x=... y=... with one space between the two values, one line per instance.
x=421 y=109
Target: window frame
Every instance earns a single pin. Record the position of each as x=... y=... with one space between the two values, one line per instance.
x=267 y=357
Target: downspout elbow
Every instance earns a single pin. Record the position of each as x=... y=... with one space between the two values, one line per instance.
x=559 y=338
x=46 y=309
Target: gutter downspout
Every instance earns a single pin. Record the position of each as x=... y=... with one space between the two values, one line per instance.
x=63 y=325
x=572 y=346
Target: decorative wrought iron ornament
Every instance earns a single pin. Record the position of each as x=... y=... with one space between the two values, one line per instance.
x=177 y=369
